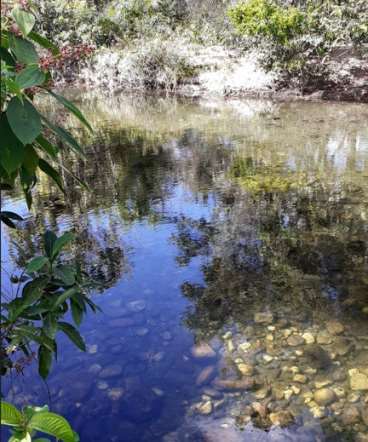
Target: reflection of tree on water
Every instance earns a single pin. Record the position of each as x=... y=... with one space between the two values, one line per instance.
x=302 y=249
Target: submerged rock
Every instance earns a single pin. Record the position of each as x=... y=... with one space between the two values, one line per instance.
x=350 y=415
x=205 y=375
x=358 y=379
x=324 y=338
x=318 y=356
x=295 y=340
x=115 y=393
x=235 y=384
x=111 y=371
x=204 y=408
x=203 y=350
x=136 y=306
x=324 y=396
x=263 y=318
x=335 y=327
x=281 y=418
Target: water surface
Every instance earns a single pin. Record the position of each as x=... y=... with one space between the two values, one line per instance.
x=230 y=240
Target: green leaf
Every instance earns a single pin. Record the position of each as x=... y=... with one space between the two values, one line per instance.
x=53 y=424
x=11 y=149
x=47 y=146
x=30 y=76
x=44 y=42
x=24 y=120
x=50 y=325
x=6 y=218
x=7 y=57
x=33 y=290
x=70 y=106
x=49 y=240
x=64 y=296
x=64 y=135
x=10 y=415
x=41 y=439
x=24 y=20
x=66 y=274
x=61 y=242
x=36 y=264
x=44 y=362
x=51 y=172
x=30 y=161
x=23 y=50
x=77 y=312
x=72 y=334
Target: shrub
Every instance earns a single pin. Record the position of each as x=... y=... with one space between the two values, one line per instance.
x=262 y=18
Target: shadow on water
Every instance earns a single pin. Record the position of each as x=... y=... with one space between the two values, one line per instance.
x=231 y=243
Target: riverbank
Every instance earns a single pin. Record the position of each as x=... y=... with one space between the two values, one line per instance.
x=177 y=66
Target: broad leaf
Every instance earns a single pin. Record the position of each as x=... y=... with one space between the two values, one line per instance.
x=70 y=106
x=36 y=264
x=51 y=172
x=66 y=274
x=10 y=415
x=33 y=290
x=6 y=218
x=30 y=161
x=11 y=149
x=64 y=296
x=24 y=20
x=44 y=42
x=49 y=240
x=47 y=146
x=53 y=424
x=44 y=362
x=64 y=135
x=72 y=334
x=77 y=312
x=6 y=56
x=61 y=242
x=23 y=50
x=30 y=76
x=24 y=120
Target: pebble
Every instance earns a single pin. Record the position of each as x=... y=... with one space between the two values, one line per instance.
x=115 y=393
x=263 y=318
x=324 y=338
x=95 y=368
x=245 y=369
x=281 y=418
x=203 y=350
x=101 y=385
x=268 y=358
x=245 y=346
x=308 y=338
x=92 y=349
x=324 y=396
x=204 y=408
x=350 y=415
x=300 y=378
x=295 y=340
x=335 y=327
x=205 y=375
x=358 y=379
x=136 y=306
x=111 y=371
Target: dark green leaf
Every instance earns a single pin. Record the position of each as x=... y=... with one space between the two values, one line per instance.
x=36 y=264
x=44 y=42
x=30 y=161
x=50 y=325
x=64 y=296
x=11 y=149
x=24 y=120
x=77 y=312
x=66 y=274
x=61 y=242
x=47 y=146
x=30 y=76
x=7 y=57
x=64 y=135
x=44 y=362
x=70 y=106
x=23 y=50
x=6 y=218
x=51 y=172
x=33 y=290
x=72 y=334
x=49 y=240
x=24 y=20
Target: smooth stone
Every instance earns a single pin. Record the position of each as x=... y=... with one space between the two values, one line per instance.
x=278 y=393
x=203 y=350
x=295 y=340
x=339 y=375
x=324 y=396
x=262 y=393
x=308 y=338
x=136 y=306
x=335 y=327
x=324 y=338
x=205 y=375
x=111 y=371
x=115 y=393
x=353 y=397
x=268 y=358
x=245 y=346
x=350 y=415
x=245 y=369
x=92 y=349
x=342 y=346
x=204 y=408
x=101 y=385
x=300 y=378
x=281 y=418
x=263 y=318
x=95 y=368
x=321 y=382
x=245 y=383
x=358 y=380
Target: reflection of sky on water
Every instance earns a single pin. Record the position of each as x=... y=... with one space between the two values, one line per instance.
x=165 y=214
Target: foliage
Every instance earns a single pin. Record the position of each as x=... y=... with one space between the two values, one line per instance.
x=48 y=290
x=25 y=145
x=31 y=420
x=265 y=19
x=298 y=41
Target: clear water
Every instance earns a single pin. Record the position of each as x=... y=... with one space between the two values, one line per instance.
x=202 y=215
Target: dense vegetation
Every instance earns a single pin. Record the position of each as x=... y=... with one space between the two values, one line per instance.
x=299 y=40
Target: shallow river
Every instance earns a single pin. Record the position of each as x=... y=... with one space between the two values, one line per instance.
x=230 y=240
